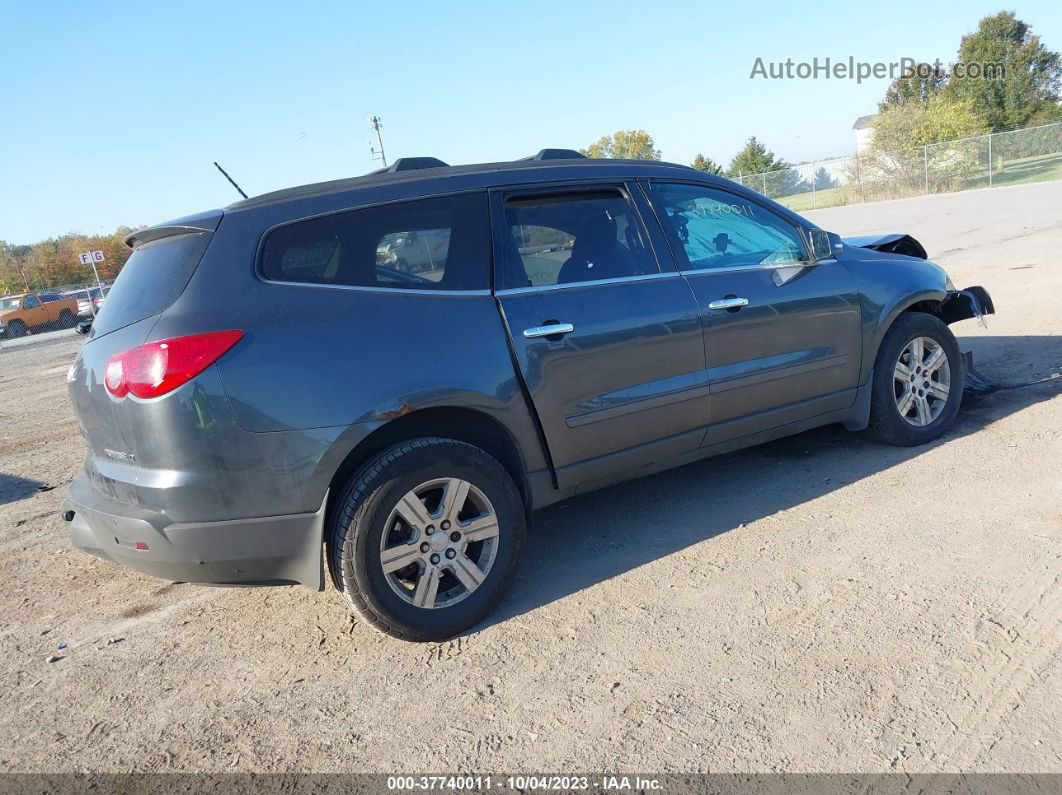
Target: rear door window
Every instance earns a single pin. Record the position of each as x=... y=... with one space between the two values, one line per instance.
x=152 y=279
x=564 y=238
x=441 y=243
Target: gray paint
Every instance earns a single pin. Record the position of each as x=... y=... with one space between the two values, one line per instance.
x=650 y=378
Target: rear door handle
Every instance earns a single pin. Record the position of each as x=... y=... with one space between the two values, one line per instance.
x=549 y=330
x=729 y=303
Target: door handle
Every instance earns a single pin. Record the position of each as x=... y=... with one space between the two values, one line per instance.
x=548 y=330
x=729 y=303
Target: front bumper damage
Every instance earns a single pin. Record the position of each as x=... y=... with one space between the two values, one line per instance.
x=971 y=302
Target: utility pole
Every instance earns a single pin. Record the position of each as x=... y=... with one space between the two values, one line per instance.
x=21 y=270
x=376 y=124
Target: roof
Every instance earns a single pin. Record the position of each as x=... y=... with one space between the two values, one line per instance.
x=378 y=178
x=863 y=122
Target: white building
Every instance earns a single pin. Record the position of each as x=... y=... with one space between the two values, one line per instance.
x=864 y=132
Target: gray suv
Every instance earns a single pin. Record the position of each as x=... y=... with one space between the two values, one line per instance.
x=387 y=374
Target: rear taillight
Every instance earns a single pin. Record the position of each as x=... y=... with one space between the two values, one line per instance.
x=156 y=368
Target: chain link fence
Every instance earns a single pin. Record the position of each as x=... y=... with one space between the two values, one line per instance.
x=1033 y=154
x=26 y=316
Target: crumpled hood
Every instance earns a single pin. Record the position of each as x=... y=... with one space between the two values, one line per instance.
x=890 y=244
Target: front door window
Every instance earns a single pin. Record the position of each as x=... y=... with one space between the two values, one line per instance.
x=717 y=229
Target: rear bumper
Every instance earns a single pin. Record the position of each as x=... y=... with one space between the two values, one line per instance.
x=259 y=551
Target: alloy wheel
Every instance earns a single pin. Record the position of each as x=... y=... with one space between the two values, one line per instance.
x=922 y=381
x=439 y=543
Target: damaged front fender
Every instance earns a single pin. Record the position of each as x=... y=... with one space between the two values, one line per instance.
x=971 y=302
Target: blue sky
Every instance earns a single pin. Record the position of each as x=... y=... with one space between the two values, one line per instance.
x=116 y=111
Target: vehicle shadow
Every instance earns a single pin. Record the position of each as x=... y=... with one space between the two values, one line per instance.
x=592 y=538
x=13 y=488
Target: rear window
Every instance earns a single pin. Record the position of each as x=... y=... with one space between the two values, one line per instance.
x=440 y=243
x=153 y=278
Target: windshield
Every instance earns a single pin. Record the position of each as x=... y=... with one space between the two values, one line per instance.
x=9 y=303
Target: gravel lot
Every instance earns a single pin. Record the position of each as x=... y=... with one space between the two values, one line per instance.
x=816 y=604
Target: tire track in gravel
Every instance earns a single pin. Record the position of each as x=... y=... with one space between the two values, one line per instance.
x=1035 y=610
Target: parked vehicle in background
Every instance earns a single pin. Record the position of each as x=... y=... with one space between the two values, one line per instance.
x=420 y=357
x=88 y=300
x=26 y=313
x=97 y=301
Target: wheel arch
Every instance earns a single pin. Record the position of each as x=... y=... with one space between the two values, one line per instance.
x=928 y=301
x=447 y=422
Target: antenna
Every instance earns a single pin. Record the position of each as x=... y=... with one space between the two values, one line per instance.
x=230 y=179
x=376 y=123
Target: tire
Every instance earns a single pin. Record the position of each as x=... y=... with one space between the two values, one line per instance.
x=894 y=390
x=66 y=319
x=377 y=499
x=16 y=329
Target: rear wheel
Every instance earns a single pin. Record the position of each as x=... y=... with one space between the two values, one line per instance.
x=425 y=539
x=66 y=319
x=918 y=381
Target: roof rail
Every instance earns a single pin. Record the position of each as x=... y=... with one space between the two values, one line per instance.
x=411 y=164
x=555 y=154
x=414 y=163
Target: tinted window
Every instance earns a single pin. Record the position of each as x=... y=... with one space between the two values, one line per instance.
x=31 y=302
x=152 y=279
x=717 y=229
x=576 y=237
x=427 y=244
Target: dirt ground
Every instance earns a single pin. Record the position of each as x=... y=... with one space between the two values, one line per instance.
x=816 y=604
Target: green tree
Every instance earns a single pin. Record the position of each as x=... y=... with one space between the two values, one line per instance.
x=706 y=164
x=624 y=145
x=911 y=127
x=823 y=180
x=919 y=138
x=1028 y=89
x=755 y=158
x=919 y=84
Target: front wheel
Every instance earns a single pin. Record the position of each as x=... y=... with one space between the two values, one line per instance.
x=918 y=381
x=16 y=329
x=425 y=539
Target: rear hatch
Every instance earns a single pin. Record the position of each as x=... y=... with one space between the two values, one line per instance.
x=160 y=267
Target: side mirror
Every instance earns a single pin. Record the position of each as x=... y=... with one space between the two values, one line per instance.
x=824 y=245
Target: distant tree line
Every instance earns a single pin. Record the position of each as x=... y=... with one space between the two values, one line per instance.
x=55 y=262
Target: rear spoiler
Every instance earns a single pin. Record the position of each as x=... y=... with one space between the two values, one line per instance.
x=203 y=222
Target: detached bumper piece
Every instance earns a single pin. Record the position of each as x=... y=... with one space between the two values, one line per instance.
x=264 y=550
x=971 y=302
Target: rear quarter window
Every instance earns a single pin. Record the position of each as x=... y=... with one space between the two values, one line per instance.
x=151 y=280
x=440 y=243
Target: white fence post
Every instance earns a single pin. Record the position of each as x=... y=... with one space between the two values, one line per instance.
x=814 y=179
x=990 y=160
x=925 y=154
